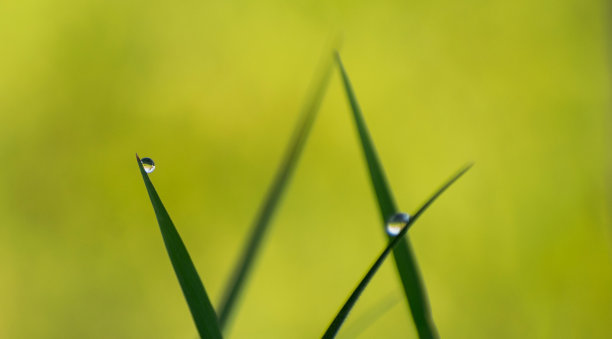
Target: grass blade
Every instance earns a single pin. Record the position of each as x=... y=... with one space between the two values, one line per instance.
x=201 y=309
x=266 y=211
x=373 y=314
x=346 y=308
x=405 y=261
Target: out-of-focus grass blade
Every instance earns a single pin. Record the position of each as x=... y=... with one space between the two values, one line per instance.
x=262 y=221
x=201 y=309
x=365 y=320
x=404 y=258
x=346 y=308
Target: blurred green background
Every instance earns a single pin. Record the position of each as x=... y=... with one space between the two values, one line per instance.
x=519 y=247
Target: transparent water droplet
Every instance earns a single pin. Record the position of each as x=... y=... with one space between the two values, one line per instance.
x=396 y=223
x=148 y=164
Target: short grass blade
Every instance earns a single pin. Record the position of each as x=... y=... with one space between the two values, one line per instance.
x=395 y=241
x=404 y=258
x=370 y=316
x=266 y=211
x=201 y=309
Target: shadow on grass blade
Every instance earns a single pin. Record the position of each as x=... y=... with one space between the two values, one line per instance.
x=201 y=309
x=405 y=261
x=346 y=308
x=266 y=211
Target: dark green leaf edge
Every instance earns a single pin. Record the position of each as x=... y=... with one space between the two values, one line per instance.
x=333 y=328
x=405 y=261
x=200 y=306
x=283 y=175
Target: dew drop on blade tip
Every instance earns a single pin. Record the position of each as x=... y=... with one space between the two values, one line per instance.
x=396 y=223
x=148 y=164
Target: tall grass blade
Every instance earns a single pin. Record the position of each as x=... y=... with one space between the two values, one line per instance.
x=266 y=211
x=405 y=261
x=395 y=241
x=201 y=309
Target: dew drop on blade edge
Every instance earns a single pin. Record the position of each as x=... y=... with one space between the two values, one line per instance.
x=148 y=164
x=396 y=223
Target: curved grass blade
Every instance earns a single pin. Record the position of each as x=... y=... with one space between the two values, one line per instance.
x=201 y=309
x=405 y=261
x=346 y=308
x=266 y=211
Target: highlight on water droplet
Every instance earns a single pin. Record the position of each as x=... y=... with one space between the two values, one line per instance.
x=148 y=164
x=396 y=223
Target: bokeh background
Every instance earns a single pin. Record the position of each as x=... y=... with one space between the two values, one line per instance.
x=518 y=248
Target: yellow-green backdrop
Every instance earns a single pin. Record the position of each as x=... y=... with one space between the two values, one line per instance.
x=519 y=248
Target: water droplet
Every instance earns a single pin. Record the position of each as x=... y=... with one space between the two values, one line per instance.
x=148 y=164
x=396 y=223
